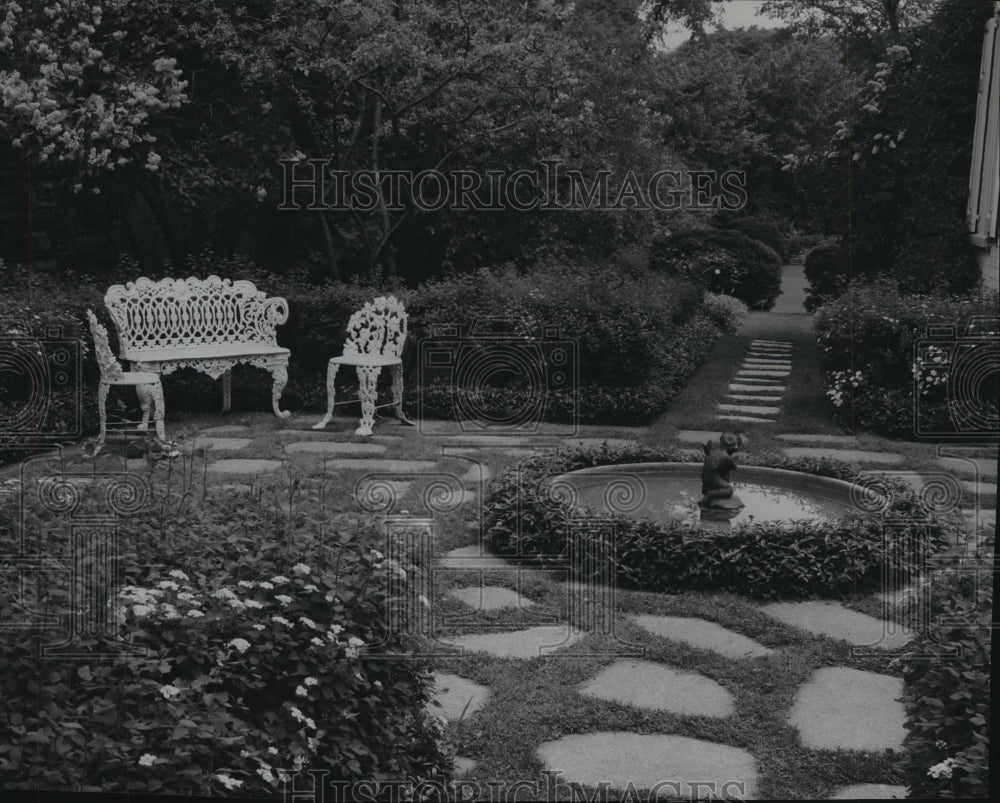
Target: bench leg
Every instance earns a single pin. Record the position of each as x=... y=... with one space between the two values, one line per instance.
x=227 y=391
x=102 y=403
x=367 y=392
x=280 y=373
x=145 y=394
x=331 y=374
x=157 y=392
x=397 y=393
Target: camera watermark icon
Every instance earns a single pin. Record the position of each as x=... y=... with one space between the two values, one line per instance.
x=502 y=377
x=40 y=387
x=963 y=368
x=66 y=556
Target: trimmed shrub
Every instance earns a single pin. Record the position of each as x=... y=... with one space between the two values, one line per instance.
x=877 y=379
x=764 y=231
x=723 y=261
x=523 y=518
x=826 y=270
x=947 y=689
x=260 y=645
x=727 y=312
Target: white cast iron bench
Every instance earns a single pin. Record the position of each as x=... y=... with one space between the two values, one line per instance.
x=207 y=324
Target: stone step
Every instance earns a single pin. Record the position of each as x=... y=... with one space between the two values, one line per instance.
x=736 y=397
x=535 y=642
x=456 y=697
x=749 y=408
x=828 y=618
x=767 y=361
x=739 y=386
x=746 y=419
x=760 y=341
x=654 y=687
x=762 y=372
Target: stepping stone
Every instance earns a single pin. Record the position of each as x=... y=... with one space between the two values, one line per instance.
x=222 y=430
x=698 y=436
x=217 y=444
x=841 y=708
x=534 y=642
x=456 y=694
x=971 y=467
x=741 y=398
x=739 y=387
x=765 y=342
x=748 y=373
x=870 y=791
x=849 y=455
x=490 y=598
x=846 y=439
x=373 y=464
x=832 y=619
x=745 y=419
x=751 y=409
x=473 y=557
x=334 y=447
x=768 y=360
x=655 y=687
x=757 y=380
x=463 y=766
x=244 y=466
x=703 y=634
x=675 y=766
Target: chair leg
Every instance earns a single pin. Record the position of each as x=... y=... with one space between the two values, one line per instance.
x=279 y=370
x=102 y=404
x=157 y=391
x=145 y=394
x=331 y=374
x=397 y=393
x=367 y=392
x=227 y=391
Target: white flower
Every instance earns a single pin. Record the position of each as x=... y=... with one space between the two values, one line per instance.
x=316 y=642
x=281 y=620
x=141 y=610
x=170 y=692
x=261 y=193
x=310 y=681
x=284 y=599
x=226 y=781
x=301 y=568
x=944 y=768
x=178 y=574
x=240 y=644
x=273 y=751
x=223 y=593
x=252 y=603
x=266 y=774
x=195 y=614
x=258 y=626
x=280 y=578
x=310 y=587
x=246 y=584
x=296 y=714
x=309 y=622
x=336 y=629
x=267 y=585
x=186 y=596
x=301 y=691
x=354 y=641
x=147 y=760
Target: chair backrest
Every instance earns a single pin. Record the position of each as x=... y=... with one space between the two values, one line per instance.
x=110 y=367
x=377 y=328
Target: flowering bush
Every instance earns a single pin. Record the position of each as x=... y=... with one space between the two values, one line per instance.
x=258 y=648
x=727 y=312
x=884 y=370
x=947 y=688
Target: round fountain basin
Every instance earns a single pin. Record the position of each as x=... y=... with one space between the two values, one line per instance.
x=670 y=491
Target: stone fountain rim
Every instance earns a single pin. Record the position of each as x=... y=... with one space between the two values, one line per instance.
x=800 y=480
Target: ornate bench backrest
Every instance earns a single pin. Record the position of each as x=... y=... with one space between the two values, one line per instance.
x=175 y=313
x=110 y=367
x=377 y=328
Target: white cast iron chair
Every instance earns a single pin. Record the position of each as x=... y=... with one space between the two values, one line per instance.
x=375 y=338
x=112 y=374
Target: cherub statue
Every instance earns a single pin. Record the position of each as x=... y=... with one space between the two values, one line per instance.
x=716 y=489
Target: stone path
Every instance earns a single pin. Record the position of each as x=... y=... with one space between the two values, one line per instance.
x=755 y=392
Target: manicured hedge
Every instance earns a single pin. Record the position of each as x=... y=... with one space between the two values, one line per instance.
x=826 y=270
x=258 y=653
x=765 y=231
x=765 y=561
x=723 y=261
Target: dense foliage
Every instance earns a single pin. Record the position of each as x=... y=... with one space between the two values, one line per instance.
x=827 y=271
x=255 y=643
x=722 y=261
x=888 y=371
x=525 y=518
x=947 y=693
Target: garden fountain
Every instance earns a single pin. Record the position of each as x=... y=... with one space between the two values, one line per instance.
x=666 y=491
